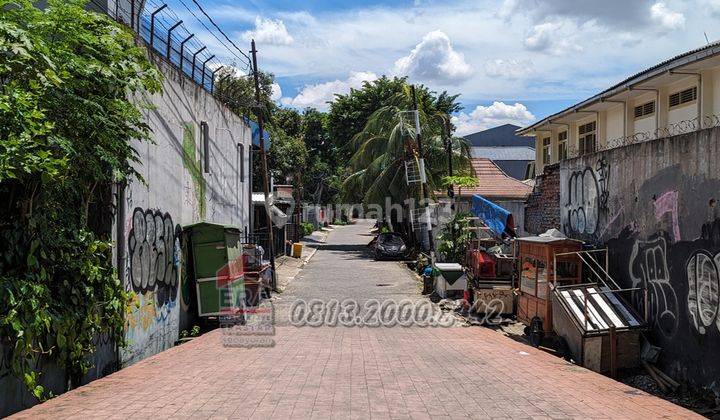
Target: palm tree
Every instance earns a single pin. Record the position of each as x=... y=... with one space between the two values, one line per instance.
x=388 y=140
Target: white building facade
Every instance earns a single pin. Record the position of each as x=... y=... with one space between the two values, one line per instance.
x=677 y=96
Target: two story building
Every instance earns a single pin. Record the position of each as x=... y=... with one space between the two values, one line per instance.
x=674 y=97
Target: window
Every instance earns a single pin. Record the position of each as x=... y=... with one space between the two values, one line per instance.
x=241 y=167
x=588 y=139
x=205 y=137
x=546 y=150
x=644 y=110
x=562 y=145
x=683 y=97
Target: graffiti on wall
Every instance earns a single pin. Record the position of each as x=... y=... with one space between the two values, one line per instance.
x=667 y=204
x=154 y=254
x=587 y=199
x=649 y=270
x=703 y=301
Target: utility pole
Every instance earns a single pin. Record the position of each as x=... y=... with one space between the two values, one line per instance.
x=266 y=181
x=448 y=149
x=426 y=193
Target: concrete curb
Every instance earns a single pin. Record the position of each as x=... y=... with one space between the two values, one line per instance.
x=293 y=267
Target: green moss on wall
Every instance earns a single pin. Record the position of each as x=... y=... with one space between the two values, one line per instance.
x=191 y=162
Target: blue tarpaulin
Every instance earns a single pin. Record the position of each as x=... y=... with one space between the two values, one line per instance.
x=256 y=134
x=495 y=217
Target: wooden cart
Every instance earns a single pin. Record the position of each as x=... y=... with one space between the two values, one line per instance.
x=537 y=265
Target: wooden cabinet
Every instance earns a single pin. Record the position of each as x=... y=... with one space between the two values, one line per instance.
x=544 y=262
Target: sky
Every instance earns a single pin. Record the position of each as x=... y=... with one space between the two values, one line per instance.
x=511 y=61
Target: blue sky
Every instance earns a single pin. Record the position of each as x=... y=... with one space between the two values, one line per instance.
x=510 y=60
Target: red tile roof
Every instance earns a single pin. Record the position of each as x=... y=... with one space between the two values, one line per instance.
x=494 y=183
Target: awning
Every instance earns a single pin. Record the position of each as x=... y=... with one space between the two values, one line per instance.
x=256 y=134
x=495 y=217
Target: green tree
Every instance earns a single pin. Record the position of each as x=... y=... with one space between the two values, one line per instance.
x=455 y=237
x=460 y=181
x=237 y=92
x=289 y=120
x=288 y=156
x=388 y=140
x=67 y=126
x=349 y=113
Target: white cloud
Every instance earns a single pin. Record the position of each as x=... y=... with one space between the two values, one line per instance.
x=714 y=6
x=269 y=31
x=609 y=13
x=550 y=37
x=509 y=68
x=618 y=37
x=665 y=17
x=276 y=92
x=508 y=8
x=318 y=95
x=434 y=60
x=484 y=117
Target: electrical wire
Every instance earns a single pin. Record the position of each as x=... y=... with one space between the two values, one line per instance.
x=163 y=21
x=218 y=28
x=213 y=33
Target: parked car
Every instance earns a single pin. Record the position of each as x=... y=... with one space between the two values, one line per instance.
x=390 y=246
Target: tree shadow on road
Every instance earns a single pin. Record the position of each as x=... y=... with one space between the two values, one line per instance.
x=348 y=250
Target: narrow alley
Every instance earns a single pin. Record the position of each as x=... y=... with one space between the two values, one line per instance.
x=358 y=372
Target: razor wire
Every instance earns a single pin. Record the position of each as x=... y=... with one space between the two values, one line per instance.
x=166 y=34
x=671 y=130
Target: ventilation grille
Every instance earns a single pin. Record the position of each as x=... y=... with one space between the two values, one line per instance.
x=645 y=109
x=587 y=128
x=683 y=97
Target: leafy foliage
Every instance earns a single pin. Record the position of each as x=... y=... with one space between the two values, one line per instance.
x=460 y=181
x=307 y=228
x=349 y=113
x=288 y=156
x=388 y=140
x=237 y=92
x=67 y=123
x=454 y=239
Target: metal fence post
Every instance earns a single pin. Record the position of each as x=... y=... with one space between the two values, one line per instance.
x=212 y=81
x=203 y=70
x=182 y=49
x=169 y=38
x=192 y=74
x=152 y=23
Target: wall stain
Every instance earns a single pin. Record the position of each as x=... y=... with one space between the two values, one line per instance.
x=193 y=164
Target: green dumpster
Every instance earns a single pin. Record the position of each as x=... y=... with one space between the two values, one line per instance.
x=218 y=269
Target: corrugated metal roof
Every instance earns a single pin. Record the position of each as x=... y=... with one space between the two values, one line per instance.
x=654 y=71
x=504 y=153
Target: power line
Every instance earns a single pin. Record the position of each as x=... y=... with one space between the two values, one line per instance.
x=218 y=28
x=213 y=33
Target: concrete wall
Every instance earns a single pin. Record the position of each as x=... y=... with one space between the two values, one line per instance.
x=649 y=203
x=14 y=395
x=182 y=186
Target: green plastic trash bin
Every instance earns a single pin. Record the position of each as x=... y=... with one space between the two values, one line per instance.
x=218 y=268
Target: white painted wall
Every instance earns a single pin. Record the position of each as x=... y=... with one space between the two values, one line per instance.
x=179 y=190
x=614 y=123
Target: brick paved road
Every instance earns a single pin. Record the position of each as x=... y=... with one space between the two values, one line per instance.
x=357 y=372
